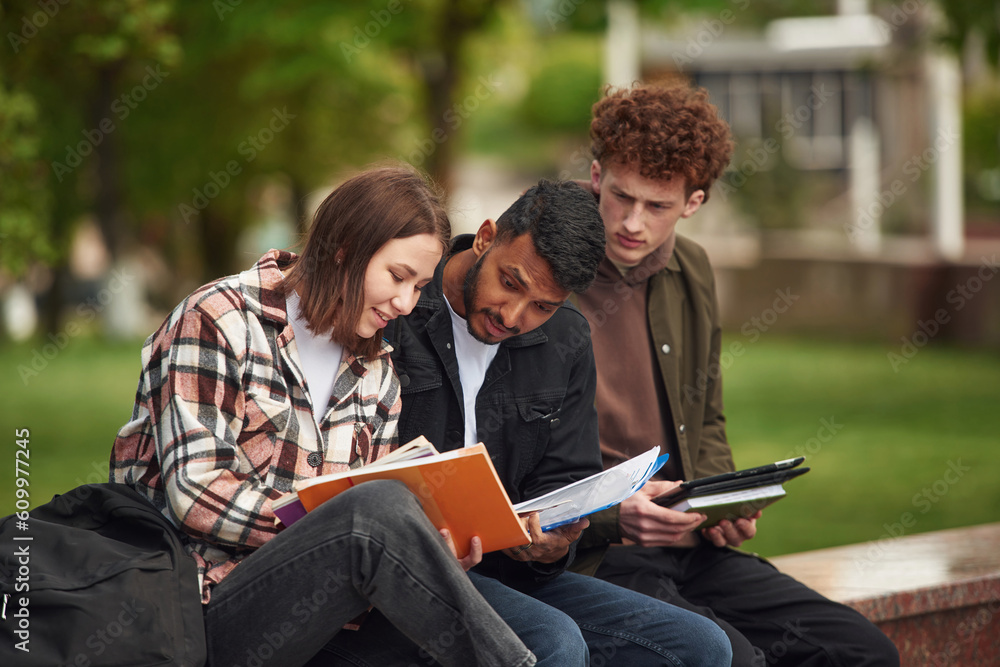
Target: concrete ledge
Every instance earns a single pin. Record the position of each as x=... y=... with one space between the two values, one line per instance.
x=936 y=595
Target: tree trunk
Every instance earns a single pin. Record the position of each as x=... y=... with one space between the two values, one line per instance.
x=299 y=208
x=51 y=314
x=218 y=242
x=108 y=197
x=441 y=71
x=441 y=79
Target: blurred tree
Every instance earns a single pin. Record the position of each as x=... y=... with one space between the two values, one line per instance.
x=71 y=61
x=437 y=51
x=260 y=92
x=967 y=17
x=24 y=203
x=66 y=63
x=562 y=91
x=156 y=115
x=981 y=156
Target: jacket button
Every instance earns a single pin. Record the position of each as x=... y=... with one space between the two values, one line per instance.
x=681 y=428
x=665 y=348
x=404 y=380
x=315 y=459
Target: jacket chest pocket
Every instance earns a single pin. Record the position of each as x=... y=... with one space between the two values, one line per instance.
x=417 y=374
x=527 y=424
x=538 y=417
x=264 y=419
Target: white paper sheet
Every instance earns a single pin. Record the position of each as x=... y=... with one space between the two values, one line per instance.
x=595 y=493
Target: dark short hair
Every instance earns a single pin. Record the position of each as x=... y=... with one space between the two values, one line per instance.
x=565 y=227
x=350 y=226
x=664 y=130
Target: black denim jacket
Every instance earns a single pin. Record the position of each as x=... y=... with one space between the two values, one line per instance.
x=535 y=411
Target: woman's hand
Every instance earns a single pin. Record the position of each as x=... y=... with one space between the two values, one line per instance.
x=475 y=550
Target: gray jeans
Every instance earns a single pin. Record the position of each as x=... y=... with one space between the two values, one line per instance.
x=370 y=546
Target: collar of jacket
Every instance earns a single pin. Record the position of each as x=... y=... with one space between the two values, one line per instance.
x=663 y=257
x=259 y=285
x=432 y=299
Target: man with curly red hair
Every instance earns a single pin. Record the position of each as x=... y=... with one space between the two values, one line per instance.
x=655 y=326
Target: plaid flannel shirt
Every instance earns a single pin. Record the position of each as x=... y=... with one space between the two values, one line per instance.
x=223 y=423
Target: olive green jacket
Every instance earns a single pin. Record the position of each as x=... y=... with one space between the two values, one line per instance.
x=684 y=322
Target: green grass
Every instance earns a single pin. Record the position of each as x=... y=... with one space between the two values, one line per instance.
x=896 y=434
x=72 y=409
x=899 y=434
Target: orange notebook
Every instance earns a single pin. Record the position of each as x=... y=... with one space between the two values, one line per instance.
x=459 y=490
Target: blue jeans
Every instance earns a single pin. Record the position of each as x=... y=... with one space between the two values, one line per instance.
x=371 y=546
x=571 y=620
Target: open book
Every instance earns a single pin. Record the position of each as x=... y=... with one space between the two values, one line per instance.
x=459 y=490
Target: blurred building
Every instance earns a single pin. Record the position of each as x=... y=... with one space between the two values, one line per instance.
x=846 y=184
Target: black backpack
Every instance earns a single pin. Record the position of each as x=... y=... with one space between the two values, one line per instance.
x=98 y=577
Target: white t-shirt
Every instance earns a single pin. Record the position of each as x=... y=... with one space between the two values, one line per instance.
x=319 y=356
x=474 y=357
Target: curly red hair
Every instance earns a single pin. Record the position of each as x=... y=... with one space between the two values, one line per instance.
x=665 y=130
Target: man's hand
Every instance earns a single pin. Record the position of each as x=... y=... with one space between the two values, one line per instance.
x=732 y=533
x=475 y=550
x=645 y=523
x=547 y=547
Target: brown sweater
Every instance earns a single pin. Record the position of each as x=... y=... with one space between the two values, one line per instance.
x=683 y=320
x=632 y=407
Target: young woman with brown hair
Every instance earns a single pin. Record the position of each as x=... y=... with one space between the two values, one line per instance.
x=280 y=373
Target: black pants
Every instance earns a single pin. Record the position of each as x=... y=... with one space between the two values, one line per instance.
x=770 y=618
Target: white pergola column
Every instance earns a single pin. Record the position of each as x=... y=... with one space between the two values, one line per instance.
x=948 y=207
x=864 y=172
x=624 y=48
